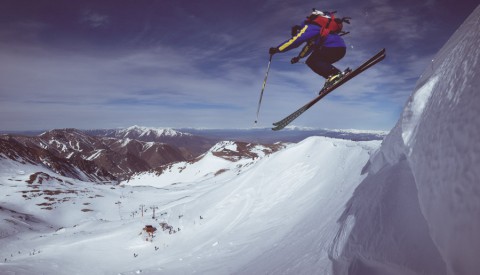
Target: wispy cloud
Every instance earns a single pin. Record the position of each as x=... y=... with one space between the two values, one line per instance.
x=94 y=19
x=188 y=65
x=154 y=80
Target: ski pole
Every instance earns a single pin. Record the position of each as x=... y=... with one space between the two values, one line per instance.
x=263 y=86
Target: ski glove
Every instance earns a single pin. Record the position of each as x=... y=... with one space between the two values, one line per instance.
x=273 y=51
x=295 y=60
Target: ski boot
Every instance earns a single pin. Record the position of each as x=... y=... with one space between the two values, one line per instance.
x=335 y=78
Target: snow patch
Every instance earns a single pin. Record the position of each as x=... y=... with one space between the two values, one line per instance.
x=414 y=109
x=125 y=142
x=228 y=145
x=95 y=155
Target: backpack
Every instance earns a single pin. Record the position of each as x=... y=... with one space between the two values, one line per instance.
x=328 y=22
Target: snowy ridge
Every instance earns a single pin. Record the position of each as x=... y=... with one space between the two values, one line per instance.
x=224 y=145
x=226 y=157
x=356 y=131
x=417 y=210
x=139 y=132
x=346 y=131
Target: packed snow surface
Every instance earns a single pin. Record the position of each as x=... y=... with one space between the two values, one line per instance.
x=418 y=210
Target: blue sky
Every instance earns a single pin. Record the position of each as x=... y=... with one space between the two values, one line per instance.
x=108 y=64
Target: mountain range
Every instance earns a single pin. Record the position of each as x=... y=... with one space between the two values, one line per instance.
x=115 y=154
x=109 y=157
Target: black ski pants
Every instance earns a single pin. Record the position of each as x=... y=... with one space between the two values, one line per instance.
x=321 y=60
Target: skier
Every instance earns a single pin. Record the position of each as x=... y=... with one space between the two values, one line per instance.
x=322 y=33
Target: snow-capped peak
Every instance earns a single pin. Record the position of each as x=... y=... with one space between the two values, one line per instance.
x=236 y=150
x=358 y=131
x=140 y=131
x=224 y=145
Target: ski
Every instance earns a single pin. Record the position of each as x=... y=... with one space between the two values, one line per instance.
x=325 y=91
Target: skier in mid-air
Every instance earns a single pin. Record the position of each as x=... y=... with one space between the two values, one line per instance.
x=322 y=33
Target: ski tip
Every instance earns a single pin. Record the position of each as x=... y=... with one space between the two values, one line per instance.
x=278 y=127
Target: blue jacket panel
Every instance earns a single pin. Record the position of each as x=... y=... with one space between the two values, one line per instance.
x=311 y=33
x=334 y=40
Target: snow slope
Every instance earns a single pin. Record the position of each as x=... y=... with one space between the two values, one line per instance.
x=274 y=216
x=226 y=157
x=418 y=210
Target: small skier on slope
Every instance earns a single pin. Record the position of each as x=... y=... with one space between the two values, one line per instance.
x=322 y=33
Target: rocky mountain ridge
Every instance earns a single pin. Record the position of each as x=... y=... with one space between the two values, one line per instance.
x=189 y=145
x=115 y=155
x=73 y=153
